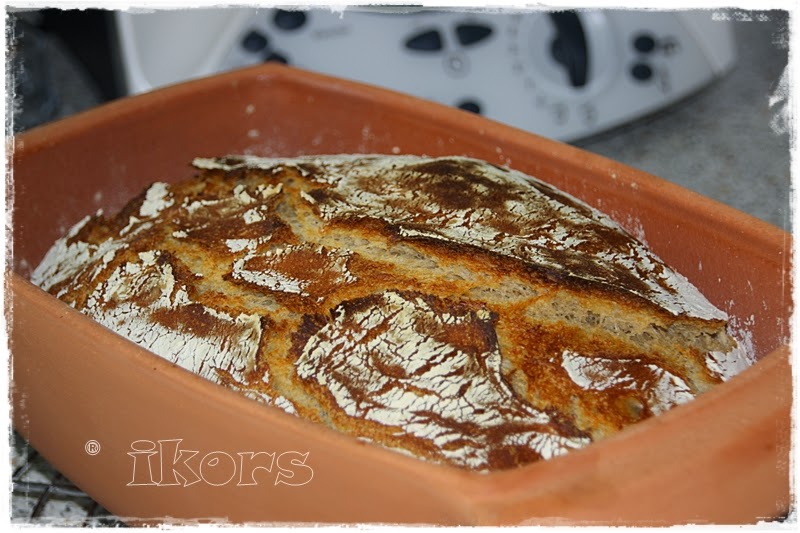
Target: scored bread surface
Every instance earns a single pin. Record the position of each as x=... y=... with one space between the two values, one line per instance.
x=446 y=308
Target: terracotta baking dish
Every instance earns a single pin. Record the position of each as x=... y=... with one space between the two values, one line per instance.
x=117 y=420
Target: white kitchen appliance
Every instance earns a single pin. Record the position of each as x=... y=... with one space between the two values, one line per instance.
x=563 y=74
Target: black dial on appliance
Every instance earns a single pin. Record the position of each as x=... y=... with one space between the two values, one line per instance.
x=569 y=46
x=425 y=41
x=289 y=20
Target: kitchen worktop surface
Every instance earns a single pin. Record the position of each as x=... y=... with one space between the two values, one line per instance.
x=730 y=141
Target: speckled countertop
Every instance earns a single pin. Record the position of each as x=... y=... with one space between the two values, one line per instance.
x=726 y=142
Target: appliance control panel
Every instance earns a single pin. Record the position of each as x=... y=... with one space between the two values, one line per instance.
x=563 y=74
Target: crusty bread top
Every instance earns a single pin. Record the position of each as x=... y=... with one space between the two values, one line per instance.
x=447 y=308
x=500 y=211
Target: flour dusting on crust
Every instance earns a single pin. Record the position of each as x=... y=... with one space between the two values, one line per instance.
x=445 y=308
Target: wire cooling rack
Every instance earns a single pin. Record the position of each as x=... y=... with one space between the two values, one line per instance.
x=40 y=495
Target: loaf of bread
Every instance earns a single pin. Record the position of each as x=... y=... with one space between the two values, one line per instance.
x=446 y=308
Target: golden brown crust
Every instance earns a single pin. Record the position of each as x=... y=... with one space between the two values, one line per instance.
x=447 y=308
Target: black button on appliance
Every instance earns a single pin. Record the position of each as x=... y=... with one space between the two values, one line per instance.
x=644 y=43
x=254 y=41
x=471 y=106
x=472 y=33
x=426 y=41
x=276 y=58
x=289 y=20
x=641 y=71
